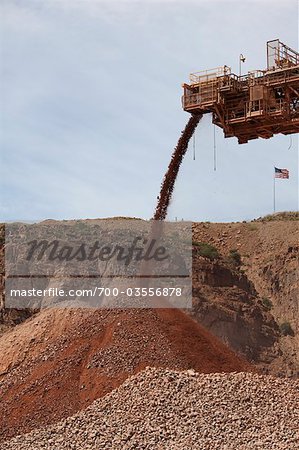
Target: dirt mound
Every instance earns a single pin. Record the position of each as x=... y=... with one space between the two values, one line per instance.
x=164 y=409
x=58 y=362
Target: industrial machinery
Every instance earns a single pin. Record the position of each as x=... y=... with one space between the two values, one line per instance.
x=259 y=104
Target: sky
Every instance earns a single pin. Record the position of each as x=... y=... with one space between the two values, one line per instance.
x=90 y=95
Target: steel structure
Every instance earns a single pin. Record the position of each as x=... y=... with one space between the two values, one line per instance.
x=259 y=104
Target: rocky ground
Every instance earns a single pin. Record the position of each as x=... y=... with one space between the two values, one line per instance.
x=244 y=322
x=165 y=409
x=58 y=362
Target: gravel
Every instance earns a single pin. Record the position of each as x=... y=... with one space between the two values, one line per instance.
x=165 y=409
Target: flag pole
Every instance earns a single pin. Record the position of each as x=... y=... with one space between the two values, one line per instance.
x=274 y=206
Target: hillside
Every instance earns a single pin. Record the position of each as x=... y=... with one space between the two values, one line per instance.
x=245 y=294
x=239 y=303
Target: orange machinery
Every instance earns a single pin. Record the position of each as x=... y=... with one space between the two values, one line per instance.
x=259 y=104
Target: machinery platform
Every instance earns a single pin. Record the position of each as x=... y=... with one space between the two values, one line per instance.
x=259 y=104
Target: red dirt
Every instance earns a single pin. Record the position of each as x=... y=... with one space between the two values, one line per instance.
x=94 y=352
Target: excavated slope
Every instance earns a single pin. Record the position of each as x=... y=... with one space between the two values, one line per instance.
x=269 y=250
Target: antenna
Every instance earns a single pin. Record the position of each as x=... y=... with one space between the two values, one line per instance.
x=242 y=59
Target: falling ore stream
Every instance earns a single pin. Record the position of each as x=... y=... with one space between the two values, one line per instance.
x=173 y=168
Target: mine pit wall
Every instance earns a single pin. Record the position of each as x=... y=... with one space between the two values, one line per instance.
x=277 y=278
x=226 y=303
x=8 y=317
x=269 y=252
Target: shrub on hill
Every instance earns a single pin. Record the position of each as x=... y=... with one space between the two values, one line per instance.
x=286 y=329
x=206 y=250
x=285 y=215
x=267 y=303
x=234 y=258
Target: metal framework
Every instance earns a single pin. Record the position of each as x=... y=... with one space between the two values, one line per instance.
x=259 y=104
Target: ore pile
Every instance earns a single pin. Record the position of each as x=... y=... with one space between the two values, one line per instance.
x=165 y=409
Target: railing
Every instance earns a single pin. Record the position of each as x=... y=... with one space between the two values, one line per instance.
x=208 y=75
x=256 y=77
x=281 y=75
x=255 y=109
x=197 y=100
x=206 y=95
x=280 y=55
x=235 y=114
x=263 y=108
x=190 y=100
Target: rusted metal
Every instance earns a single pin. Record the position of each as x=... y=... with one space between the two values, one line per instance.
x=259 y=104
x=173 y=168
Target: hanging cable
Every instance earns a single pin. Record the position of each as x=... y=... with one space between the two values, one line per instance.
x=214 y=147
x=291 y=143
x=194 y=146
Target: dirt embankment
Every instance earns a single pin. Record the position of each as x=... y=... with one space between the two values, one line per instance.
x=243 y=315
x=225 y=303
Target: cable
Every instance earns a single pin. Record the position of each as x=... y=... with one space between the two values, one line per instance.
x=215 y=148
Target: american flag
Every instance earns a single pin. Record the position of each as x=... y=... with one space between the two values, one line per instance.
x=281 y=173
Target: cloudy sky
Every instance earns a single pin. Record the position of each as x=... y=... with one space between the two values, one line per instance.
x=90 y=108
